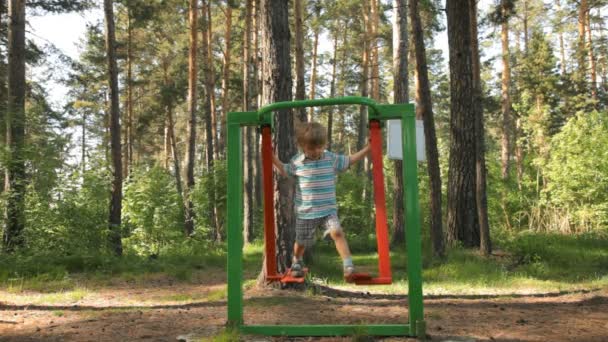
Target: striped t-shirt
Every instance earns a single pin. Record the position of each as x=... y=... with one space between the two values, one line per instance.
x=316 y=183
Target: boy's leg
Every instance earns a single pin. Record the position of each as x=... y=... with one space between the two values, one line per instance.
x=334 y=229
x=298 y=251
x=305 y=230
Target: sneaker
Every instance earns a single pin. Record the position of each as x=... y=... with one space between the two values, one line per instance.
x=349 y=273
x=297 y=270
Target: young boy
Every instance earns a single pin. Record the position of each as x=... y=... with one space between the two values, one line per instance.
x=315 y=174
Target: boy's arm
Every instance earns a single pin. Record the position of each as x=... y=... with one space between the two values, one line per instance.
x=279 y=165
x=353 y=158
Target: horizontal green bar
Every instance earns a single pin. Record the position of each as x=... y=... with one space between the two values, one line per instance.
x=245 y=118
x=264 y=112
x=395 y=111
x=328 y=330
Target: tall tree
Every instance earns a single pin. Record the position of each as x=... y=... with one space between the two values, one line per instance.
x=248 y=207
x=192 y=81
x=375 y=50
x=226 y=73
x=14 y=182
x=209 y=71
x=462 y=210
x=364 y=77
x=116 y=196
x=315 y=47
x=505 y=11
x=299 y=57
x=401 y=89
x=209 y=106
x=129 y=128
x=592 y=64
x=425 y=111
x=480 y=161
x=332 y=90
x=277 y=87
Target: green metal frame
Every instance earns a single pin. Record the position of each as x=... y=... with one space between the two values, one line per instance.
x=264 y=116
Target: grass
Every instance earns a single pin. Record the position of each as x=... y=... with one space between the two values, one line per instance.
x=538 y=263
x=535 y=263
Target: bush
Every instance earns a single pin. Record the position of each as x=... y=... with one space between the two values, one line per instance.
x=152 y=211
x=577 y=172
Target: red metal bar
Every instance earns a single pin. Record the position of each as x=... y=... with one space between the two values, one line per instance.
x=269 y=234
x=384 y=261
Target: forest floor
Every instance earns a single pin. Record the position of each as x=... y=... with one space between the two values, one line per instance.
x=159 y=308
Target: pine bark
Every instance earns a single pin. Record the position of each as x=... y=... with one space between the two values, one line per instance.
x=248 y=139
x=313 y=77
x=505 y=98
x=277 y=86
x=116 y=194
x=462 y=218
x=480 y=161
x=192 y=111
x=425 y=111
x=299 y=58
x=14 y=185
x=400 y=90
x=592 y=64
x=226 y=76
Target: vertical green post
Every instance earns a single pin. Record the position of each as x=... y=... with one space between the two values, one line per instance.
x=412 y=214
x=235 y=225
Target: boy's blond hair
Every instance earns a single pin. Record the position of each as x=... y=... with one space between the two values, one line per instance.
x=311 y=134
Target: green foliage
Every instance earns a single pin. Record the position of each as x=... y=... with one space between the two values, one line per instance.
x=577 y=172
x=152 y=211
x=75 y=223
x=355 y=210
x=210 y=190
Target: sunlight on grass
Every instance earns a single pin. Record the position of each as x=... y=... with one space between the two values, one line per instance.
x=217 y=295
x=61 y=297
x=538 y=263
x=182 y=297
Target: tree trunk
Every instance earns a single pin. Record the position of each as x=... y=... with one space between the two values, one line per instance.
x=562 y=50
x=277 y=87
x=332 y=92
x=170 y=140
x=425 y=111
x=400 y=89
x=84 y=143
x=3 y=89
x=299 y=36
x=257 y=87
x=342 y=90
x=248 y=146
x=129 y=130
x=14 y=185
x=462 y=210
x=363 y=85
x=582 y=66
x=192 y=80
x=592 y=60
x=519 y=153
x=226 y=77
x=166 y=146
x=209 y=108
x=480 y=160
x=207 y=103
x=116 y=196
x=313 y=78
x=374 y=58
x=210 y=74
x=506 y=101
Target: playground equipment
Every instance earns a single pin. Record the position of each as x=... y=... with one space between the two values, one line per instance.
x=377 y=113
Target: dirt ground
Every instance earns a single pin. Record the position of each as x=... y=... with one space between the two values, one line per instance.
x=162 y=310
